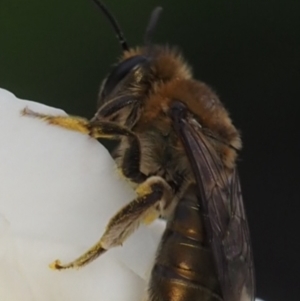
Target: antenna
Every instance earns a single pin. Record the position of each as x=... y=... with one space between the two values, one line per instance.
x=152 y=24
x=114 y=23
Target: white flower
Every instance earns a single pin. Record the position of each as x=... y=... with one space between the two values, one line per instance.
x=58 y=189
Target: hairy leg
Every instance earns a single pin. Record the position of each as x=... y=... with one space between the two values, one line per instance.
x=152 y=195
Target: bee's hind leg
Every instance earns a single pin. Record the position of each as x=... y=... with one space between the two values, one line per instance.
x=153 y=194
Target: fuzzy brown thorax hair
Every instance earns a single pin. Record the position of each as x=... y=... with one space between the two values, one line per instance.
x=161 y=78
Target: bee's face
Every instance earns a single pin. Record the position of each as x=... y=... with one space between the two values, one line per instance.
x=125 y=75
x=140 y=70
x=139 y=74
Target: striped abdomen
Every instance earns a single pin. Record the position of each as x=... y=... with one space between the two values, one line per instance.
x=184 y=269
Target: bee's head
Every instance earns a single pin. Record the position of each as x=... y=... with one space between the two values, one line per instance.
x=138 y=73
x=141 y=69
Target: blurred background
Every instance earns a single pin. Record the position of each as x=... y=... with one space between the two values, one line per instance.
x=57 y=52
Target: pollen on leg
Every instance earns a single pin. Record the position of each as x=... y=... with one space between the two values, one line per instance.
x=72 y=123
x=151 y=216
x=143 y=190
x=55 y=265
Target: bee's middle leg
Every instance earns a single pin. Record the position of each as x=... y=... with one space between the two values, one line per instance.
x=152 y=195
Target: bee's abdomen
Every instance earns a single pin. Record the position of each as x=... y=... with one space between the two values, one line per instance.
x=184 y=269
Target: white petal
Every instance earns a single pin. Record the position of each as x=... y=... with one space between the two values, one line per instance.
x=58 y=190
x=10 y=272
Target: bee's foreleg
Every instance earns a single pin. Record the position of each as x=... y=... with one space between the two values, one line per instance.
x=73 y=123
x=152 y=195
x=102 y=129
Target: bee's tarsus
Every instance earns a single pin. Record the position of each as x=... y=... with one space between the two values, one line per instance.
x=27 y=112
x=125 y=221
x=84 y=259
x=56 y=265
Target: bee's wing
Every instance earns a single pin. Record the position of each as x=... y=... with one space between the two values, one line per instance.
x=223 y=210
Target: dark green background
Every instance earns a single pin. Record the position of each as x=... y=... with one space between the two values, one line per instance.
x=56 y=52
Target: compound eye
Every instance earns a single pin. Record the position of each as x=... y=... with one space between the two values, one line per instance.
x=120 y=72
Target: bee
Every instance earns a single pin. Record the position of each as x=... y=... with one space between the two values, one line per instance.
x=178 y=147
